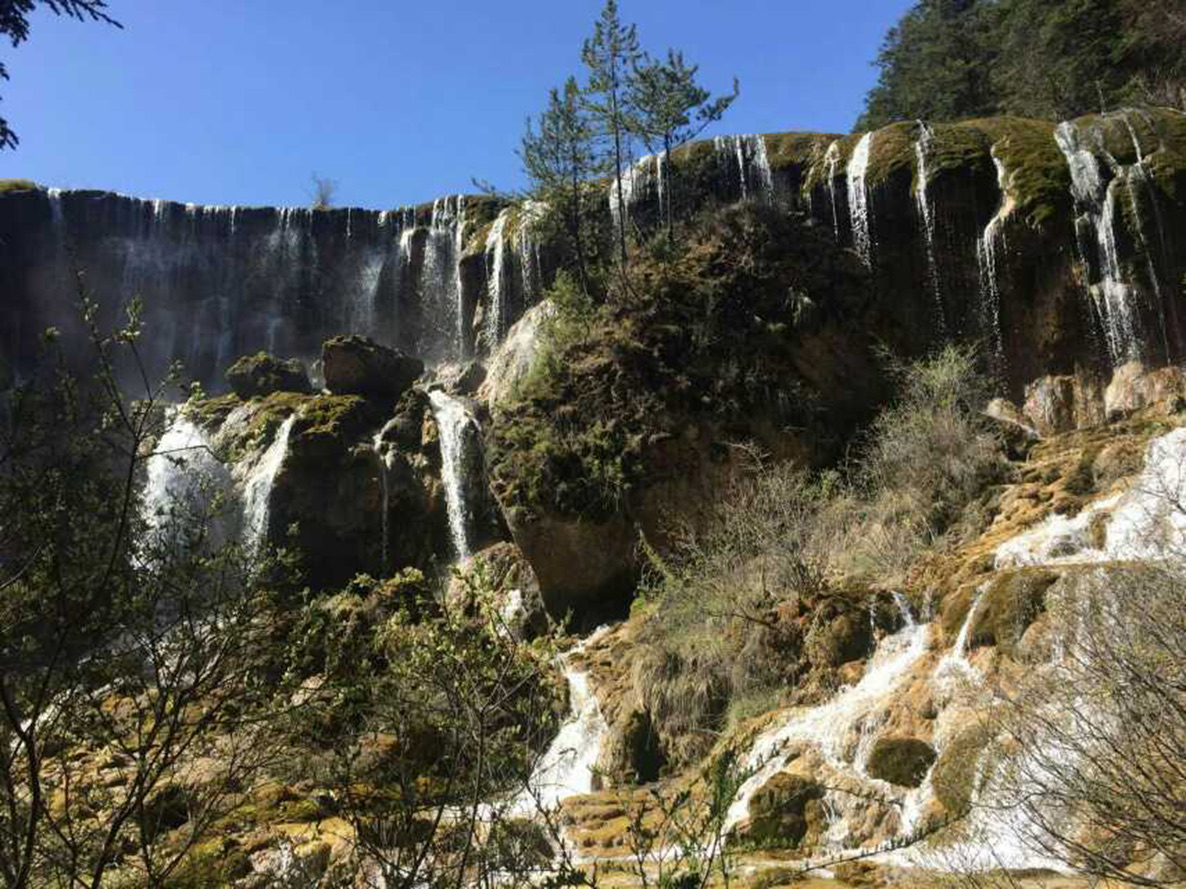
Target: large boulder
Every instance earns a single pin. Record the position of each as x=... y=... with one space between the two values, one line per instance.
x=357 y=365
x=901 y=761
x=261 y=374
x=788 y=811
x=502 y=570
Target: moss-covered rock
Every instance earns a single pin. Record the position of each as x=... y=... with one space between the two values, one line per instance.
x=901 y=761
x=1012 y=601
x=787 y=812
x=14 y=185
x=254 y=376
x=357 y=365
x=958 y=766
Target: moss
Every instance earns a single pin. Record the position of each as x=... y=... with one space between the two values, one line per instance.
x=891 y=154
x=1081 y=480
x=7 y=185
x=958 y=766
x=781 y=812
x=1012 y=602
x=901 y=761
x=789 y=150
x=1039 y=180
x=211 y=413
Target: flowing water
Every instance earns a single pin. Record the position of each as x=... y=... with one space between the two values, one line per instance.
x=832 y=159
x=258 y=484
x=461 y=467
x=566 y=767
x=829 y=726
x=497 y=284
x=1096 y=205
x=858 y=200
x=182 y=475
x=926 y=214
x=986 y=258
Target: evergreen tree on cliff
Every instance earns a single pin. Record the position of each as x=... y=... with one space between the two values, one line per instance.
x=559 y=159
x=14 y=24
x=672 y=109
x=611 y=55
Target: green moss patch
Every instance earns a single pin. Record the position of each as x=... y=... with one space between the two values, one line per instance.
x=1039 y=180
x=1012 y=602
x=7 y=185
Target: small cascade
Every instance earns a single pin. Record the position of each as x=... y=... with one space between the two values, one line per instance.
x=832 y=159
x=440 y=280
x=527 y=248
x=642 y=184
x=257 y=488
x=385 y=488
x=748 y=154
x=1143 y=524
x=1095 y=225
x=566 y=768
x=926 y=213
x=182 y=475
x=858 y=200
x=461 y=466
x=498 y=280
x=986 y=257
x=57 y=219
x=829 y=725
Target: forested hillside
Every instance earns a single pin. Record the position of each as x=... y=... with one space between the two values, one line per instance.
x=955 y=59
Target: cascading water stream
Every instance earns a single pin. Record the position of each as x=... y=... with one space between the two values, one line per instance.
x=926 y=214
x=385 y=488
x=828 y=725
x=461 y=461
x=182 y=474
x=497 y=284
x=858 y=200
x=1096 y=204
x=986 y=258
x=257 y=488
x=832 y=159
x=567 y=766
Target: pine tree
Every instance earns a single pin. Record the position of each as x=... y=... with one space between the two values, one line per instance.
x=611 y=55
x=560 y=158
x=672 y=109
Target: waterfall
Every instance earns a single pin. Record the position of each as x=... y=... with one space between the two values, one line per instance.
x=828 y=725
x=748 y=153
x=461 y=461
x=832 y=159
x=385 y=488
x=182 y=475
x=1095 y=203
x=440 y=280
x=986 y=258
x=926 y=214
x=858 y=200
x=566 y=768
x=527 y=248
x=257 y=494
x=498 y=285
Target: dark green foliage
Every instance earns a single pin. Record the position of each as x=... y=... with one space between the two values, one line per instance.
x=954 y=59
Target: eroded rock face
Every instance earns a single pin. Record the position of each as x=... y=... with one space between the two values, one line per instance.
x=357 y=365
x=788 y=810
x=502 y=570
x=513 y=358
x=254 y=376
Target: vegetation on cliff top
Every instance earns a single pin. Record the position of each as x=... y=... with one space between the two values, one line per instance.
x=1054 y=59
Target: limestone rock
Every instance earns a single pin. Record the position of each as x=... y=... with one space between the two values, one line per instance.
x=1134 y=387
x=254 y=376
x=514 y=357
x=788 y=809
x=901 y=761
x=514 y=585
x=357 y=365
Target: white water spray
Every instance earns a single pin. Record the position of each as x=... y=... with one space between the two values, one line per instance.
x=926 y=214
x=858 y=200
x=460 y=438
x=257 y=494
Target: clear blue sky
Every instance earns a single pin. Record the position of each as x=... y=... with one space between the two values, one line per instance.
x=400 y=101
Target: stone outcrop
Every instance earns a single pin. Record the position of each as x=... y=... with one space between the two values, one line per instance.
x=253 y=376
x=901 y=761
x=357 y=365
